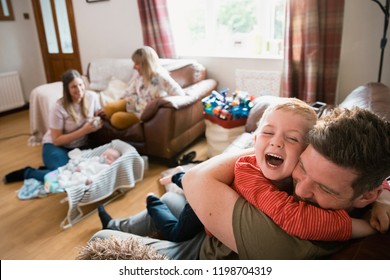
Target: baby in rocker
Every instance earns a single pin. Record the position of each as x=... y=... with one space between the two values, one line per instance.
x=79 y=171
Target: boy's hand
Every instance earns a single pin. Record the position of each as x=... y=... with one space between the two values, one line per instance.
x=380 y=213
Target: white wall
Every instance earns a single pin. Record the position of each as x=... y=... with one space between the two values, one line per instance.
x=112 y=29
x=107 y=29
x=360 y=53
x=19 y=48
x=223 y=69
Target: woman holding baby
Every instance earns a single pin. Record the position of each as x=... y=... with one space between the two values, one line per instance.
x=70 y=122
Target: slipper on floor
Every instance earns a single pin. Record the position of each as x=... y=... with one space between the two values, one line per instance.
x=187 y=158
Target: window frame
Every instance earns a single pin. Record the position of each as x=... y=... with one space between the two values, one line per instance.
x=11 y=16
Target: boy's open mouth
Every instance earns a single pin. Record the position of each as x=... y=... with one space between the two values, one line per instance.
x=273 y=160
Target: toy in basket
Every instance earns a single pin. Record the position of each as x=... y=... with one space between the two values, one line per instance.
x=227 y=111
x=225 y=118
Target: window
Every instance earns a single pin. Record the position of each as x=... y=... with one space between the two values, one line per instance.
x=6 y=12
x=61 y=14
x=228 y=28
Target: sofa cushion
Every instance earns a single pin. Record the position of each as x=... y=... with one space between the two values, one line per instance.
x=242 y=142
x=113 y=92
x=372 y=96
x=184 y=71
x=261 y=103
x=101 y=71
x=189 y=74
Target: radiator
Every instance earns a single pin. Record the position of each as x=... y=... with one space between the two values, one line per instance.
x=11 y=94
x=258 y=83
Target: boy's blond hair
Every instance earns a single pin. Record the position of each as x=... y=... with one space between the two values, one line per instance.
x=294 y=105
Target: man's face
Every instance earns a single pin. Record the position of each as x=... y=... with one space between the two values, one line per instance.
x=323 y=183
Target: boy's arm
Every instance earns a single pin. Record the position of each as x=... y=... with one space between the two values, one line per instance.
x=361 y=228
x=380 y=216
x=296 y=218
x=380 y=213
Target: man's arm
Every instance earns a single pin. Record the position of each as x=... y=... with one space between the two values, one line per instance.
x=207 y=189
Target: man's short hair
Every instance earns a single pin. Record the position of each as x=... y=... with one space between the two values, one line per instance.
x=356 y=139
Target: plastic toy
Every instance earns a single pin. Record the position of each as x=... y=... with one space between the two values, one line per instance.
x=225 y=107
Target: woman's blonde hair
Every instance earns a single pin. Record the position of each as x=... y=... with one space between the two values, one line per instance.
x=147 y=58
x=67 y=78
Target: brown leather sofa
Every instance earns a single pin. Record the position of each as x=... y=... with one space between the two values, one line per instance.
x=170 y=124
x=372 y=96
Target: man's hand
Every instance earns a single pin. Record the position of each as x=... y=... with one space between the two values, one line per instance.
x=380 y=213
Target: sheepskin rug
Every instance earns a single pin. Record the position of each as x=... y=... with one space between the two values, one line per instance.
x=118 y=249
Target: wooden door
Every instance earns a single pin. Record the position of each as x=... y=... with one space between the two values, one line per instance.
x=57 y=35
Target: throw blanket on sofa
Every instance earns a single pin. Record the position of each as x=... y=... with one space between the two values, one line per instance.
x=42 y=99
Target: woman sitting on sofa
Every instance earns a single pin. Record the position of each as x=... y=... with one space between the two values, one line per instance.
x=151 y=81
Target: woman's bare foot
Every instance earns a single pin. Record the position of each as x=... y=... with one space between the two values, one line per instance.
x=168 y=179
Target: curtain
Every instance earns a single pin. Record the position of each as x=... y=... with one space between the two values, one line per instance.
x=312 y=49
x=156 y=28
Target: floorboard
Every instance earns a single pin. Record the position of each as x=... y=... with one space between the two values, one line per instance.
x=30 y=229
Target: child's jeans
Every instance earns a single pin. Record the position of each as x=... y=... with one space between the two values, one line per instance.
x=185 y=227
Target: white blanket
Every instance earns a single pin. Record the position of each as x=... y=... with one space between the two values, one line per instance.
x=42 y=99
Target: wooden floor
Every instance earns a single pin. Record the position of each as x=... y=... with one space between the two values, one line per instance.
x=30 y=229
